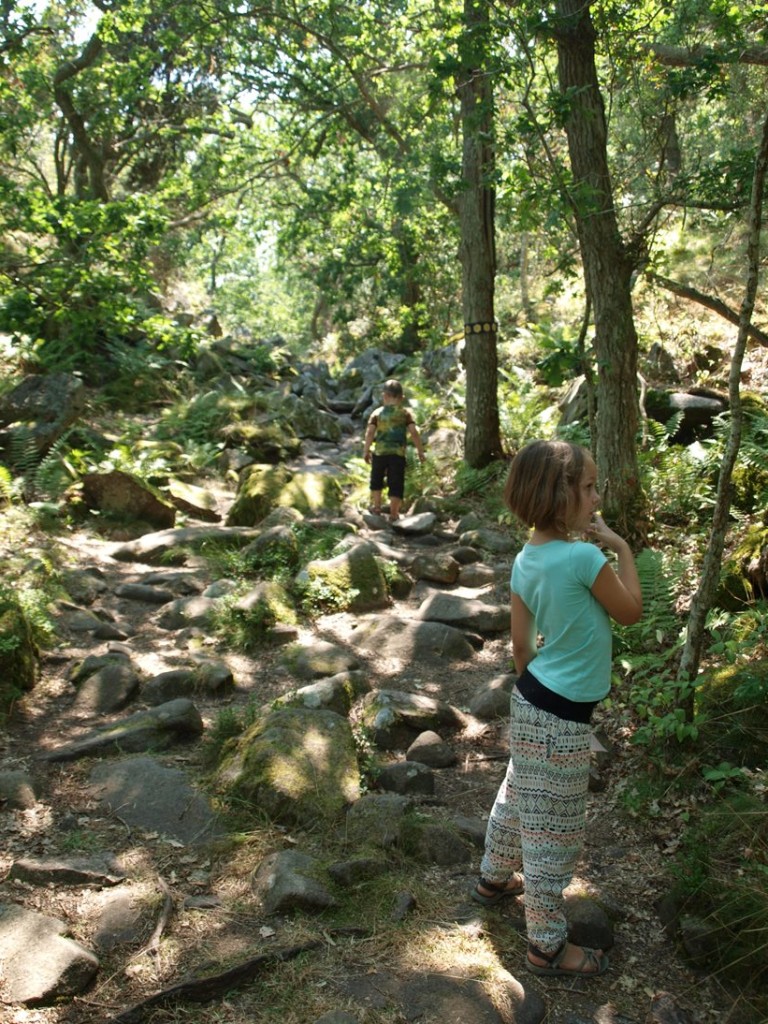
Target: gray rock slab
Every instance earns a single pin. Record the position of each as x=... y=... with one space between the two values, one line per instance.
x=435 y=842
x=154 y=798
x=76 y=620
x=440 y=567
x=289 y=880
x=320 y=659
x=336 y=693
x=476 y=575
x=144 y=593
x=466 y=555
x=155 y=729
x=396 y=718
x=187 y=611
x=465 y=613
x=407 y=641
x=40 y=964
x=431 y=749
x=361 y=869
x=108 y=689
x=377 y=819
x=80 y=670
x=122 y=916
x=407 y=777
x=441 y=998
x=94 y=870
x=84 y=585
x=154 y=545
x=415 y=525
x=492 y=701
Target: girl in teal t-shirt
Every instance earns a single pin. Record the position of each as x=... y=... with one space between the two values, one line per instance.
x=564 y=594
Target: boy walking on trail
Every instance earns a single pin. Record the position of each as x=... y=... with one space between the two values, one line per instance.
x=388 y=430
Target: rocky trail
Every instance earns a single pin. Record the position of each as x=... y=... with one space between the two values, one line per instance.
x=115 y=893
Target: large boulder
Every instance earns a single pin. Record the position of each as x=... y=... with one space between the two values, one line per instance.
x=266 y=443
x=298 y=766
x=123 y=494
x=35 y=414
x=310 y=421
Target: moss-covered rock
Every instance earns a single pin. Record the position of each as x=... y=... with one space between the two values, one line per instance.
x=258 y=492
x=270 y=443
x=352 y=581
x=296 y=765
x=19 y=655
x=732 y=708
x=263 y=607
x=309 y=492
x=263 y=488
x=744 y=576
x=125 y=495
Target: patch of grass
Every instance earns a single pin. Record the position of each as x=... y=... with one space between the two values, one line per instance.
x=228 y=723
x=81 y=840
x=722 y=876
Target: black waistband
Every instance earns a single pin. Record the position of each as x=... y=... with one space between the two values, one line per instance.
x=547 y=700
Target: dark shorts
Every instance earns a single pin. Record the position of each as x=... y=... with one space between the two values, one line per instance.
x=390 y=468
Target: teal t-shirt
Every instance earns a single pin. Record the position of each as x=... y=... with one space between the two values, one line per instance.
x=391 y=423
x=554 y=582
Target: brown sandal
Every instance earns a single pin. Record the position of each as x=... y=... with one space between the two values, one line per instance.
x=497 y=892
x=591 y=964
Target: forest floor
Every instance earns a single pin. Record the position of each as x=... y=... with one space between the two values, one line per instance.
x=624 y=863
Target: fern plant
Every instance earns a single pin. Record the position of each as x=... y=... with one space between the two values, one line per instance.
x=55 y=471
x=647 y=652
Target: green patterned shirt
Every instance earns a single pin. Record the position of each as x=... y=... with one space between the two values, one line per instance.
x=391 y=422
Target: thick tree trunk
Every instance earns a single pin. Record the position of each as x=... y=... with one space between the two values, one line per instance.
x=608 y=269
x=477 y=250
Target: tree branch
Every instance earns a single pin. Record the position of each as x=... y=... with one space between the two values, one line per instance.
x=710 y=302
x=681 y=57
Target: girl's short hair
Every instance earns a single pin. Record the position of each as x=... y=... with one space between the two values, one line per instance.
x=542 y=487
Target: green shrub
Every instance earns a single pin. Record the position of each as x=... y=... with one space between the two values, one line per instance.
x=732 y=707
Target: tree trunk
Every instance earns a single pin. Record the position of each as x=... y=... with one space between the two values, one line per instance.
x=411 y=296
x=608 y=268
x=477 y=249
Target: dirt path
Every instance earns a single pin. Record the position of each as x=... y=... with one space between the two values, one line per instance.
x=623 y=861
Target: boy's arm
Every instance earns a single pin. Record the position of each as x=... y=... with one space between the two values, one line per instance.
x=370 y=434
x=416 y=438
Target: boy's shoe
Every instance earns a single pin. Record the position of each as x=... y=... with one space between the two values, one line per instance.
x=374 y=511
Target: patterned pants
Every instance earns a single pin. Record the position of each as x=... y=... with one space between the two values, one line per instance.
x=538 y=819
